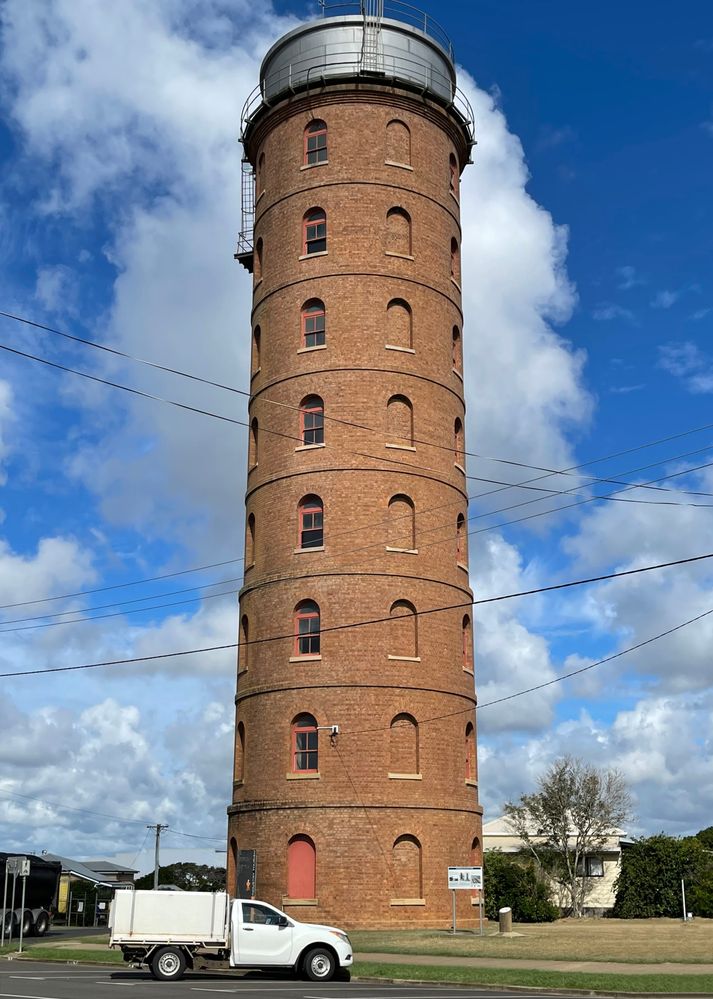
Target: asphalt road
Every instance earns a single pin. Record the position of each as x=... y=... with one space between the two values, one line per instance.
x=35 y=980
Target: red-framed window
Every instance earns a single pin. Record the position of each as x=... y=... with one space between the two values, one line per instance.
x=467 y=644
x=458 y=442
x=460 y=538
x=453 y=174
x=455 y=261
x=305 y=745
x=256 y=349
x=258 y=260
x=314 y=231
x=457 y=351
x=470 y=771
x=254 y=443
x=307 y=621
x=312 y=419
x=301 y=868
x=315 y=148
x=311 y=522
x=313 y=323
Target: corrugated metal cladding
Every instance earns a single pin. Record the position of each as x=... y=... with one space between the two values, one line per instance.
x=334 y=47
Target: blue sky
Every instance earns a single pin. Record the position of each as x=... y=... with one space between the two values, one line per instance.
x=589 y=310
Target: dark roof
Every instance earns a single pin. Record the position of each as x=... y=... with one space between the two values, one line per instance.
x=80 y=870
x=108 y=867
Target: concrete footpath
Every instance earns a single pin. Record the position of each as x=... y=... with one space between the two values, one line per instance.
x=595 y=967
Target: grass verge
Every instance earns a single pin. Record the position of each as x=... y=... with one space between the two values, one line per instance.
x=671 y=984
x=39 y=953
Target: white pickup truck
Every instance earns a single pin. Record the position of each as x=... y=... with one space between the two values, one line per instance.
x=173 y=931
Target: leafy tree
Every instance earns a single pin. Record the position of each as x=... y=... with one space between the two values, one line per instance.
x=189 y=877
x=569 y=817
x=514 y=880
x=706 y=837
x=652 y=869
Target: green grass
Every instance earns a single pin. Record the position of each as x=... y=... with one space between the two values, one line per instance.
x=674 y=984
x=38 y=952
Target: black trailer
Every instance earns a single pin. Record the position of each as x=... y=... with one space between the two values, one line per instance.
x=41 y=889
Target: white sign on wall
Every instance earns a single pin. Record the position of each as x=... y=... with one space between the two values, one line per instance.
x=469 y=878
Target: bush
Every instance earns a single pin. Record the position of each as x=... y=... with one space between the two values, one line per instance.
x=649 y=883
x=513 y=880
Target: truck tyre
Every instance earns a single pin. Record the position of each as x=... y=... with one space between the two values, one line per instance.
x=27 y=924
x=42 y=924
x=320 y=965
x=168 y=964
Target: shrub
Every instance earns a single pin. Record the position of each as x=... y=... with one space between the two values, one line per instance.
x=512 y=879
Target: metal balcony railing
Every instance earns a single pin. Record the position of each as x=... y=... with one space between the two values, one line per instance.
x=397 y=10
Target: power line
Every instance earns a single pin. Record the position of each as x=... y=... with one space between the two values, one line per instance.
x=371 y=621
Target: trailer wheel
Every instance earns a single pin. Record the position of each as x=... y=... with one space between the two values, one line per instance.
x=9 y=922
x=42 y=924
x=27 y=924
x=320 y=965
x=168 y=964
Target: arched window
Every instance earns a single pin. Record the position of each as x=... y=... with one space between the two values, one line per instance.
x=313 y=323
x=312 y=419
x=301 y=868
x=307 y=628
x=403 y=631
x=457 y=351
x=239 y=752
x=476 y=854
x=406 y=863
x=467 y=643
x=233 y=865
x=455 y=261
x=258 y=260
x=243 y=646
x=402 y=523
x=256 y=350
x=305 y=746
x=310 y=515
x=398 y=232
x=250 y=542
x=314 y=231
x=253 y=445
x=260 y=174
x=453 y=175
x=470 y=770
x=403 y=745
x=398 y=143
x=315 y=144
x=399 y=324
x=461 y=554
x=459 y=456
x=399 y=421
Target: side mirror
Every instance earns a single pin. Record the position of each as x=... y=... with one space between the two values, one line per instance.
x=283 y=921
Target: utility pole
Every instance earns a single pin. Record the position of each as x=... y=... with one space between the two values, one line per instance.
x=159 y=828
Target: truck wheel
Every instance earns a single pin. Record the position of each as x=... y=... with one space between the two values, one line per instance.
x=320 y=965
x=168 y=964
x=42 y=924
x=27 y=924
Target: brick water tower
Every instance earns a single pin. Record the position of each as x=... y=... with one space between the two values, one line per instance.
x=355 y=778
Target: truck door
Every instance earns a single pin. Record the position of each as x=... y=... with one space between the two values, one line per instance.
x=259 y=939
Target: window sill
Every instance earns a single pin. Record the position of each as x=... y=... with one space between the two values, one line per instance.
x=308 y=447
x=405 y=659
x=318 y=253
x=402 y=551
x=249 y=567
x=259 y=195
x=401 y=166
x=461 y=565
x=455 y=465
x=311 y=166
x=252 y=468
x=407 y=901
x=457 y=373
x=403 y=350
x=453 y=281
x=303 y=551
x=307 y=350
x=403 y=256
x=471 y=783
x=257 y=282
x=454 y=196
x=239 y=782
x=470 y=672
x=242 y=672
x=405 y=776
x=304 y=659
x=400 y=447
x=256 y=372
x=313 y=775
x=299 y=901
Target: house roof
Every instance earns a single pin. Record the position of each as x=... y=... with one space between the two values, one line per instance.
x=80 y=870
x=501 y=827
x=108 y=867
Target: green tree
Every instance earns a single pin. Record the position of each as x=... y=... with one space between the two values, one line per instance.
x=189 y=877
x=652 y=868
x=571 y=816
x=513 y=880
x=706 y=837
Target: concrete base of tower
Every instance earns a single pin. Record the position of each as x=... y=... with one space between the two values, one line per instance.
x=361 y=868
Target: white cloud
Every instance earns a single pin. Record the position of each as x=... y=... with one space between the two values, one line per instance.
x=628 y=277
x=665 y=299
x=56 y=289
x=607 y=311
x=7 y=417
x=685 y=360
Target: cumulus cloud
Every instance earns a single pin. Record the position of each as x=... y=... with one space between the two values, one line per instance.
x=685 y=360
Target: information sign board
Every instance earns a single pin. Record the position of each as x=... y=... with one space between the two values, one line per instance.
x=19 y=866
x=468 y=878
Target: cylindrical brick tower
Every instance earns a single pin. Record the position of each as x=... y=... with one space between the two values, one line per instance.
x=356 y=503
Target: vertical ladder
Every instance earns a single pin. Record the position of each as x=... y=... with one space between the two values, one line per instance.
x=372 y=53
x=247 y=203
